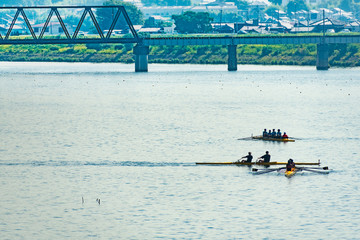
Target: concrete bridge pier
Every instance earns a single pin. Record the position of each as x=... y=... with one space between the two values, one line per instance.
x=232 y=58
x=322 y=60
x=141 y=58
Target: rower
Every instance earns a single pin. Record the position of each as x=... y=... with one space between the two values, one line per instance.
x=290 y=165
x=265 y=133
x=273 y=134
x=285 y=135
x=248 y=157
x=269 y=133
x=265 y=158
x=278 y=134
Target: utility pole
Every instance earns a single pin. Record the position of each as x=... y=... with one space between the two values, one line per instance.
x=221 y=17
x=295 y=17
x=324 y=24
x=308 y=19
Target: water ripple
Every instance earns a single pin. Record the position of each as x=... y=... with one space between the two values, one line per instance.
x=89 y=163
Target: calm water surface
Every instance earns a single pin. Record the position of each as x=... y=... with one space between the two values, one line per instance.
x=74 y=132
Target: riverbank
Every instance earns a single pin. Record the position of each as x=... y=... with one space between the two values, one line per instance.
x=341 y=55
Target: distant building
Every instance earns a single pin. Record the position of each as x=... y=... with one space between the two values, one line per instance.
x=223 y=27
x=328 y=25
x=168 y=11
x=164 y=11
x=252 y=30
x=153 y=30
x=353 y=26
x=54 y=28
x=16 y=30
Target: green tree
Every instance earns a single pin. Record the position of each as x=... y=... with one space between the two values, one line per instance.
x=192 y=22
x=346 y=5
x=241 y=4
x=296 y=5
x=272 y=10
x=277 y=2
x=105 y=16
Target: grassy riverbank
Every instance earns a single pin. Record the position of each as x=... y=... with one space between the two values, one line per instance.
x=341 y=55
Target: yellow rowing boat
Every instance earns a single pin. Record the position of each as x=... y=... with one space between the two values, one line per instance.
x=272 y=139
x=291 y=172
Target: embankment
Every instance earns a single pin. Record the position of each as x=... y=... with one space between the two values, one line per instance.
x=341 y=55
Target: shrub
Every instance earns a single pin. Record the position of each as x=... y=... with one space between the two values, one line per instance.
x=53 y=48
x=118 y=46
x=266 y=51
x=80 y=48
x=95 y=46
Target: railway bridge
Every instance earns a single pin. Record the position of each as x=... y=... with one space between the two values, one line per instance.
x=142 y=45
x=322 y=42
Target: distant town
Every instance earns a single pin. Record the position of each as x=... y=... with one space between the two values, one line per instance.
x=230 y=17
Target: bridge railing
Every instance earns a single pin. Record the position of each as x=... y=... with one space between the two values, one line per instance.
x=118 y=14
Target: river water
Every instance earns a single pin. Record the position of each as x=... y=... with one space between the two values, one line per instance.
x=72 y=133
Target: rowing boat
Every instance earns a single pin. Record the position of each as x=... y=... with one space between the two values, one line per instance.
x=256 y=163
x=290 y=173
x=293 y=171
x=272 y=139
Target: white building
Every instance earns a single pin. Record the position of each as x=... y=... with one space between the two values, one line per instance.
x=54 y=28
x=164 y=11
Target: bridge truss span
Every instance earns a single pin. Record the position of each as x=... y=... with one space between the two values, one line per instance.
x=65 y=34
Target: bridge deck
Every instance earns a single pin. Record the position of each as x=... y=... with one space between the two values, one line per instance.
x=184 y=41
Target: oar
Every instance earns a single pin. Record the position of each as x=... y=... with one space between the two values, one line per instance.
x=311 y=170
x=321 y=168
x=294 y=138
x=266 y=170
x=246 y=138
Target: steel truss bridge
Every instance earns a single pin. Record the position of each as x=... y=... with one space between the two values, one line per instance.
x=141 y=50
x=68 y=39
x=253 y=40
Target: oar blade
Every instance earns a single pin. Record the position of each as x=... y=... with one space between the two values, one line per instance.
x=262 y=171
x=321 y=171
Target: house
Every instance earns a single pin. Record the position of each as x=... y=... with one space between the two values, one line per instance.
x=16 y=30
x=223 y=28
x=153 y=30
x=342 y=15
x=253 y=30
x=164 y=11
x=54 y=28
x=353 y=26
x=238 y=26
x=302 y=29
x=169 y=30
x=168 y=11
x=275 y=28
x=328 y=24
